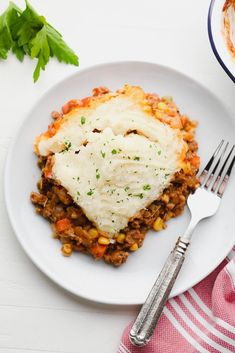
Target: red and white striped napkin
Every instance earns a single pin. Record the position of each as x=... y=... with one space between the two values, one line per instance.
x=199 y=320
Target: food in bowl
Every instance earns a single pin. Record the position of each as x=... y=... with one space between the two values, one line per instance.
x=229 y=26
x=114 y=165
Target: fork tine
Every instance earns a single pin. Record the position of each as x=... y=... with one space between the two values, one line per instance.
x=209 y=180
x=218 y=178
x=224 y=182
x=203 y=175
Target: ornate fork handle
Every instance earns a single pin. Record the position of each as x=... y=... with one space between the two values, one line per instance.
x=150 y=312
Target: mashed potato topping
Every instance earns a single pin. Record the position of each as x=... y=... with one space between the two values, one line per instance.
x=114 y=158
x=113 y=166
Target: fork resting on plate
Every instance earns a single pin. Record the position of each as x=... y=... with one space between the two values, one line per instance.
x=202 y=204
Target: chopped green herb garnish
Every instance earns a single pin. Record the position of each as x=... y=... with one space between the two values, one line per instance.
x=126 y=188
x=116 y=151
x=90 y=192
x=136 y=158
x=83 y=120
x=141 y=195
x=97 y=174
x=159 y=152
x=146 y=187
x=78 y=178
x=102 y=154
x=67 y=147
x=78 y=193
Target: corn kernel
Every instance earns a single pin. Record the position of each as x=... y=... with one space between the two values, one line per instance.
x=93 y=233
x=103 y=241
x=186 y=167
x=120 y=238
x=165 y=198
x=162 y=106
x=158 y=115
x=168 y=215
x=134 y=247
x=158 y=224
x=67 y=249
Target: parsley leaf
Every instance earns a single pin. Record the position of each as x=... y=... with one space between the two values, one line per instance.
x=27 y=26
x=139 y=195
x=97 y=174
x=7 y=19
x=90 y=192
x=29 y=33
x=59 y=48
x=83 y=120
x=102 y=154
x=41 y=50
x=147 y=187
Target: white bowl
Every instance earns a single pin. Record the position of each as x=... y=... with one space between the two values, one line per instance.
x=216 y=37
x=80 y=274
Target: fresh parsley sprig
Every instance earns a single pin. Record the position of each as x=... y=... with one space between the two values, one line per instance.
x=27 y=33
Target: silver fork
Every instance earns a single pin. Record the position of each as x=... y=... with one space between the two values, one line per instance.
x=202 y=204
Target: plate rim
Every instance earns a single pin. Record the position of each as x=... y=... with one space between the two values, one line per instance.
x=212 y=42
x=13 y=221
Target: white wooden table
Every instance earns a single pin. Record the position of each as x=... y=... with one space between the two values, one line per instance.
x=36 y=315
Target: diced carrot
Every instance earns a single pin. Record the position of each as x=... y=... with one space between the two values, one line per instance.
x=85 y=101
x=62 y=225
x=195 y=161
x=48 y=174
x=97 y=91
x=184 y=119
x=54 y=127
x=176 y=123
x=48 y=167
x=98 y=250
x=67 y=107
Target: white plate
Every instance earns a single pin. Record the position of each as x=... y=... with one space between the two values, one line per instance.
x=217 y=40
x=130 y=283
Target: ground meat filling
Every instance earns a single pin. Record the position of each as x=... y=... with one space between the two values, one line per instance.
x=77 y=233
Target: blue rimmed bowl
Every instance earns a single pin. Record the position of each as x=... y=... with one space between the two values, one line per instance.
x=221 y=30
